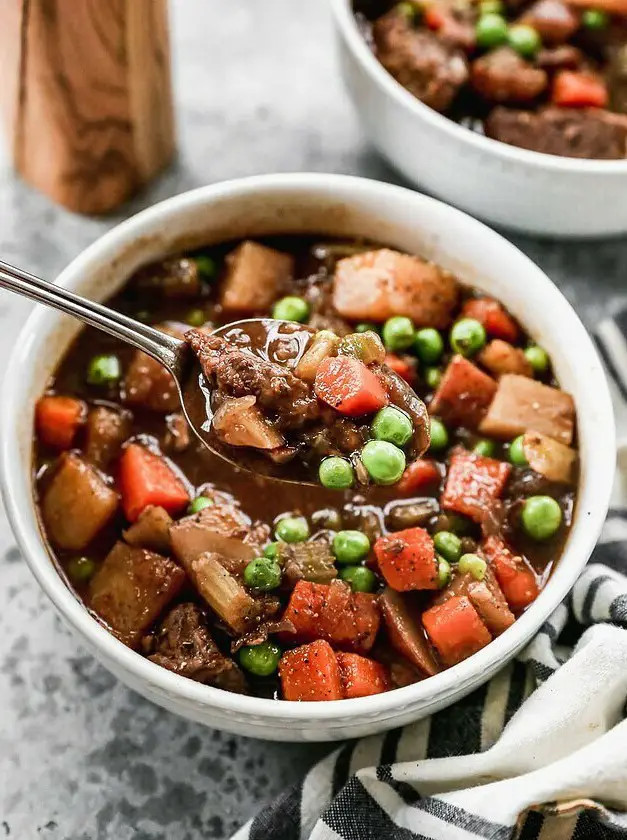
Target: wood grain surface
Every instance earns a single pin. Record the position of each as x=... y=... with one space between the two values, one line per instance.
x=87 y=97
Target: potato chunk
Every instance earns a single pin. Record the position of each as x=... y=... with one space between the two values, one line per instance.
x=378 y=284
x=131 y=589
x=501 y=357
x=551 y=459
x=151 y=530
x=254 y=278
x=77 y=504
x=521 y=404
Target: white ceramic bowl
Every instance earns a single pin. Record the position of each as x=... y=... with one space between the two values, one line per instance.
x=515 y=188
x=341 y=206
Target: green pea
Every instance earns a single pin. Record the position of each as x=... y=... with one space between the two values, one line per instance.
x=485 y=448
x=429 y=346
x=260 y=660
x=207 y=267
x=433 y=377
x=448 y=545
x=467 y=337
x=292 y=529
x=271 y=550
x=360 y=578
x=406 y=9
x=524 y=39
x=491 y=31
x=367 y=327
x=350 y=546
x=538 y=358
x=195 y=317
x=595 y=19
x=336 y=473
x=541 y=517
x=291 y=309
x=398 y=333
x=104 y=370
x=444 y=572
x=472 y=564
x=393 y=425
x=439 y=435
x=262 y=573
x=199 y=503
x=487 y=7
x=384 y=462
x=517 y=452
x=80 y=569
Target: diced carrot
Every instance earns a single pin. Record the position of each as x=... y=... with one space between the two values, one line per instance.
x=464 y=394
x=311 y=673
x=579 y=90
x=516 y=578
x=349 y=386
x=147 y=479
x=407 y=560
x=361 y=677
x=419 y=474
x=455 y=629
x=348 y=620
x=434 y=17
x=473 y=484
x=497 y=322
x=58 y=419
x=401 y=366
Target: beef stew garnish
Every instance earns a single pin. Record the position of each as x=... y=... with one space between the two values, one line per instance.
x=545 y=75
x=432 y=456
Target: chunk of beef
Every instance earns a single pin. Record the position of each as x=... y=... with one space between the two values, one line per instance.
x=432 y=69
x=521 y=404
x=376 y=285
x=564 y=57
x=131 y=589
x=238 y=373
x=77 y=503
x=617 y=77
x=567 y=132
x=220 y=528
x=106 y=431
x=148 y=384
x=151 y=530
x=184 y=645
x=554 y=21
x=177 y=277
x=504 y=76
x=254 y=278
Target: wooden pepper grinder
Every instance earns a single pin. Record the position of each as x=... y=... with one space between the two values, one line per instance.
x=87 y=96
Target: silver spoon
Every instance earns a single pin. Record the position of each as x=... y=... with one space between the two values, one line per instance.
x=173 y=353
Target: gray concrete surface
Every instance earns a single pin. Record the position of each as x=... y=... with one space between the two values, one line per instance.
x=81 y=757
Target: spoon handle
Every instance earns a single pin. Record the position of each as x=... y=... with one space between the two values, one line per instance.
x=164 y=348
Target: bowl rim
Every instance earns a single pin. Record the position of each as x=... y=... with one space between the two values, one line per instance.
x=263 y=710
x=345 y=19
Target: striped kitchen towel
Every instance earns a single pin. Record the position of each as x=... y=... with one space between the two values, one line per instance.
x=538 y=753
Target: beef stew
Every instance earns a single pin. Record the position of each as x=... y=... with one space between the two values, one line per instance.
x=310 y=591
x=545 y=75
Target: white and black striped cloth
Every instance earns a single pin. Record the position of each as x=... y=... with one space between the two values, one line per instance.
x=538 y=753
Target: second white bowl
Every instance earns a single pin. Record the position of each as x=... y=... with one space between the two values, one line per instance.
x=527 y=191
